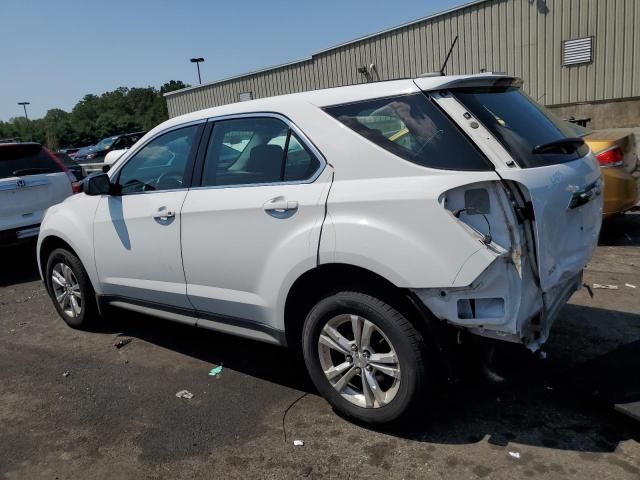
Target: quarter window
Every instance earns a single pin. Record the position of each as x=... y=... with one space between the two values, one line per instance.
x=413 y=128
x=161 y=164
x=255 y=151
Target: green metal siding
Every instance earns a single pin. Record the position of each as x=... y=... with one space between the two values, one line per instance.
x=520 y=37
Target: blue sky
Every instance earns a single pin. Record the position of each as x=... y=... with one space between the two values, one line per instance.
x=53 y=52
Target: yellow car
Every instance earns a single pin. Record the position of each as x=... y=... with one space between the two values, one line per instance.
x=611 y=148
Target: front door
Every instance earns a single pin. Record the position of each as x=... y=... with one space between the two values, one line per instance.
x=255 y=220
x=137 y=232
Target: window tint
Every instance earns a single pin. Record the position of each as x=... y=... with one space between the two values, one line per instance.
x=521 y=125
x=161 y=164
x=24 y=159
x=413 y=128
x=252 y=151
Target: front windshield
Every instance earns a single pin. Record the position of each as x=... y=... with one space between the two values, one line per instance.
x=105 y=143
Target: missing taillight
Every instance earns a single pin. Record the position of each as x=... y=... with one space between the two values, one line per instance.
x=611 y=157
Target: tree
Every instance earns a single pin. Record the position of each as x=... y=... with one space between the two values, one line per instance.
x=95 y=116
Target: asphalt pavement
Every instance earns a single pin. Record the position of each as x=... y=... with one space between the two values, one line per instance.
x=74 y=404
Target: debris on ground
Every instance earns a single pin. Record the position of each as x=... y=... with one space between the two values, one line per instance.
x=184 y=394
x=629 y=285
x=514 y=454
x=216 y=371
x=121 y=343
x=605 y=287
x=298 y=443
x=66 y=374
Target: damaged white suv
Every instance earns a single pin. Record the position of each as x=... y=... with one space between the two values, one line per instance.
x=358 y=223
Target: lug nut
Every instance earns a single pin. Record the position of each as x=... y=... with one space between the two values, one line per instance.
x=354 y=347
x=368 y=368
x=349 y=358
x=366 y=353
x=358 y=370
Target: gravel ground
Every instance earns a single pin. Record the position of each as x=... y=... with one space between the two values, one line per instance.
x=72 y=405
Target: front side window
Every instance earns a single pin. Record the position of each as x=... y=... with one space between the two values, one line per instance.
x=161 y=164
x=531 y=134
x=412 y=127
x=256 y=151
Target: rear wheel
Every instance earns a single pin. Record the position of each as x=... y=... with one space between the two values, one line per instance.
x=366 y=358
x=70 y=289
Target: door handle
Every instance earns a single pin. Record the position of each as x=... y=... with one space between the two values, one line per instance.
x=282 y=205
x=278 y=207
x=164 y=215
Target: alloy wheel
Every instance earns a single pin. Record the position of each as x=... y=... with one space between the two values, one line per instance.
x=359 y=361
x=66 y=290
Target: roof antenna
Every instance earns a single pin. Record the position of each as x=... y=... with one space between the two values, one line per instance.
x=444 y=65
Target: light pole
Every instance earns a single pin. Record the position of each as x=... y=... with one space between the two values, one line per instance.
x=197 y=62
x=24 y=105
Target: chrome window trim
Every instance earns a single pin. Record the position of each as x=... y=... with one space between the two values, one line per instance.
x=301 y=135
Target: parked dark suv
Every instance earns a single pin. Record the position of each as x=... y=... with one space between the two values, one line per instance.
x=104 y=146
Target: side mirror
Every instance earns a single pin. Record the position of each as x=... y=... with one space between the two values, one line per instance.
x=97 y=184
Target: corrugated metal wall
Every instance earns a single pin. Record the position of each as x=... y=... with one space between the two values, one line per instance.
x=520 y=37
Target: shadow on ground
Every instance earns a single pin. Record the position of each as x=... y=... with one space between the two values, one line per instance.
x=621 y=230
x=18 y=264
x=543 y=403
x=559 y=403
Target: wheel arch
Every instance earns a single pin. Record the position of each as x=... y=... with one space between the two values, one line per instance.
x=48 y=245
x=324 y=279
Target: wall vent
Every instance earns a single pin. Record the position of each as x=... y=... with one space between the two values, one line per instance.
x=577 y=51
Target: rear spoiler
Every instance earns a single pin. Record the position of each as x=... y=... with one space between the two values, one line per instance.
x=476 y=81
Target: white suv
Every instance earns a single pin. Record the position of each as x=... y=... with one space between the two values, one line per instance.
x=359 y=223
x=31 y=180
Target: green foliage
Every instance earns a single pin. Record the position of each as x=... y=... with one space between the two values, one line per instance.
x=94 y=117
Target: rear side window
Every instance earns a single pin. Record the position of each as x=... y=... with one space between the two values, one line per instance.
x=413 y=128
x=20 y=160
x=522 y=126
x=256 y=151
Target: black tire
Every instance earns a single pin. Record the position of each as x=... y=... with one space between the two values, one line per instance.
x=88 y=316
x=415 y=380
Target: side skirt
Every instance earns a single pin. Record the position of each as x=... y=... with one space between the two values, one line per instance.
x=230 y=325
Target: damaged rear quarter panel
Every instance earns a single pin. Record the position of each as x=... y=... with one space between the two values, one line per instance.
x=398 y=228
x=502 y=299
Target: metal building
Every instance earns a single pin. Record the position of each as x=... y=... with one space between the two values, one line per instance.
x=581 y=56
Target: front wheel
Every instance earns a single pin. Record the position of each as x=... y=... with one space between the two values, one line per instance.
x=70 y=289
x=366 y=358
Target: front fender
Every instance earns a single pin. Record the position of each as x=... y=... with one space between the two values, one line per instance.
x=72 y=222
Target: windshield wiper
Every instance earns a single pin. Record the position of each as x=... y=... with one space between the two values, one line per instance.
x=31 y=171
x=564 y=145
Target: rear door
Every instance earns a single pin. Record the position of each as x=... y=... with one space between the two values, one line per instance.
x=31 y=180
x=254 y=222
x=552 y=169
